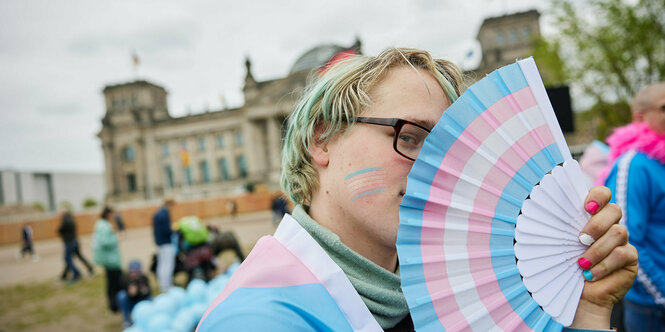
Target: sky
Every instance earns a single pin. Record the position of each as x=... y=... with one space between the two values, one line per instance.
x=57 y=56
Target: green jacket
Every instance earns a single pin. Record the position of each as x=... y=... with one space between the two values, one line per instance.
x=105 y=246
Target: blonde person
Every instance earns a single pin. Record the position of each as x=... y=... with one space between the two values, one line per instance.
x=355 y=119
x=106 y=253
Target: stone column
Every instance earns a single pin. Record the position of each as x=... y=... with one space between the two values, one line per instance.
x=109 y=168
x=230 y=152
x=211 y=146
x=274 y=148
x=118 y=175
x=149 y=166
x=253 y=149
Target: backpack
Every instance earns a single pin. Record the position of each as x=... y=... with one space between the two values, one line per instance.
x=192 y=230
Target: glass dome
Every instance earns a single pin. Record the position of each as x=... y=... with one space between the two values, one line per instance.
x=315 y=57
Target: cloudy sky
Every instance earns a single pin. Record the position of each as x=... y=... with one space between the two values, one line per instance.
x=57 y=56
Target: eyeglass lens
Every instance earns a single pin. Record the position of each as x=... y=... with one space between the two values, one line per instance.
x=410 y=139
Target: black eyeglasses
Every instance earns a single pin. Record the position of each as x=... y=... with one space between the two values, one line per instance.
x=409 y=136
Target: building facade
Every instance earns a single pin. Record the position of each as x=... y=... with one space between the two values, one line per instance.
x=506 y=38
x=150 y=154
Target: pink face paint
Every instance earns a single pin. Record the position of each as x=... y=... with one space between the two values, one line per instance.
x=365 y=182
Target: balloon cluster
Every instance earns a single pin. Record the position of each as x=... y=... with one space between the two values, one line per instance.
x=178 y=310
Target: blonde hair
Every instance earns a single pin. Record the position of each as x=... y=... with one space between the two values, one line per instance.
x=333 y=100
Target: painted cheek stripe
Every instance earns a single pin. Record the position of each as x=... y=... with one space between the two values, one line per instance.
x=365 y=182
x=375 y=191
x=368 y=187
x=362 y=171
x=353 y=185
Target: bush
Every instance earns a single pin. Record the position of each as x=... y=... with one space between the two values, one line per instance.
x=66 y=205
x=39 y=206
x=89 y=203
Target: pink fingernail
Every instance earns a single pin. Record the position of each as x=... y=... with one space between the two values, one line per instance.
x=584 y=263
x=591 y=207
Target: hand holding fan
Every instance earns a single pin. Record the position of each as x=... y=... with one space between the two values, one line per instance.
x=489 y=223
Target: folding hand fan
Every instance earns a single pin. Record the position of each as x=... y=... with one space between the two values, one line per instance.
x=489 y=224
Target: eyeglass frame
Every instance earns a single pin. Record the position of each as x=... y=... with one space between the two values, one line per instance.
x=397 y=125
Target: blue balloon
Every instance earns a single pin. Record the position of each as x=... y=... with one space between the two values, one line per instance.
x=221 y=278
x=165 y=304
x=197 y=310
x=232 y=268
x=211 y=295
x=196 y=283
x=134 y=328
x=142 y=313
x=183 y=321
x=218 y=283
x=196 y=292
x=159 y=323
x=179 y=296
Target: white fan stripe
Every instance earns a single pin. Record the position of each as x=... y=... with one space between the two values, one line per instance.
x=532 y=76
x=515 y=130
x=493 y=143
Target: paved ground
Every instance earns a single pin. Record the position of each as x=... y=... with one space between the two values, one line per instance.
x=134 y=244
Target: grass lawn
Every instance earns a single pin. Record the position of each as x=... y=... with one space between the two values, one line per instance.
x=55 y=306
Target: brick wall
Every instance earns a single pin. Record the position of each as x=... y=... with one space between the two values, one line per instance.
x=46 y=226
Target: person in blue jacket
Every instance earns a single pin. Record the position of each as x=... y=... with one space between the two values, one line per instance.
x=638 y=182
x=161 y=225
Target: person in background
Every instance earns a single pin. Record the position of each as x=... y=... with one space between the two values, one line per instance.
x=637 y=178
x=69 y=236
x=232 y=207
x=279 y=208
x=224 y=240
x=195 y=249
x=67 y=231
x=107 y=254
x=136 y=288
x=593 y=161
x=332 y=264
x=120 y=224
x=27 y=246
x=161 y=225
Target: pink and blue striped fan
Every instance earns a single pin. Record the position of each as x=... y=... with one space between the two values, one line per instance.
x=489 y=223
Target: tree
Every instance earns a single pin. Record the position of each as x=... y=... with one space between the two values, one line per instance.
x=610 y=49
x=553 y=69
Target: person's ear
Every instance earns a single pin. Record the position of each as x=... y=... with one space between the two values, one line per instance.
x=638 y=116
x=318 y=148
